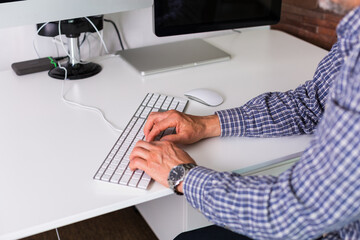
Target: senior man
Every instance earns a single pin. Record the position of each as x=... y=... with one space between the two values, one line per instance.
x=317 y=198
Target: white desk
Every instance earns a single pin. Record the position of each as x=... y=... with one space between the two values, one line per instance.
x=49 y=151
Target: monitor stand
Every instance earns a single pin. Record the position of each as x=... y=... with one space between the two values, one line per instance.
x=75 y=68
x=172 y=56
x=72 y=28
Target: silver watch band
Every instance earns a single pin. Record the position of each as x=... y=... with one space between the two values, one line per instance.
x=173 y=184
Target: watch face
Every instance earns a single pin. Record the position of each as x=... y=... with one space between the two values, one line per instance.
x=176 y=174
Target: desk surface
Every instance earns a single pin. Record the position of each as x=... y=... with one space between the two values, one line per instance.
x=49 y=151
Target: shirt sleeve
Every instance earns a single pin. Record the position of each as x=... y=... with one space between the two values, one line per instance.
x=284 y=113
x=319 y=194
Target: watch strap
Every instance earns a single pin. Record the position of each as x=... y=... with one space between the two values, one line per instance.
x=173 y=185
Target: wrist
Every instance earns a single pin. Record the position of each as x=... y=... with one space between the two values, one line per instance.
x=177 y=176
x=211 y=126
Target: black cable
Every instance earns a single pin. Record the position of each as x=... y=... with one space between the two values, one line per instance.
x=117 y=31
x=83 y=40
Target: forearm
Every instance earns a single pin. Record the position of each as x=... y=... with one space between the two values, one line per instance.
x=282 y=114
x=276 y=114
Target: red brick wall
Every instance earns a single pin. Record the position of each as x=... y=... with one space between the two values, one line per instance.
x=304 y=19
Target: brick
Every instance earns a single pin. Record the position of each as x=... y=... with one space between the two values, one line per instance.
x=300 y=25
x=301 y=11
x=320 y=22
x=297 y=21
x=333 y=17
x=327 y=31
x=291 y=17
x=322 y=41
x=309 y=4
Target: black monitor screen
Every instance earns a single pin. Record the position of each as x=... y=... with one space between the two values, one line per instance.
x=174 y=17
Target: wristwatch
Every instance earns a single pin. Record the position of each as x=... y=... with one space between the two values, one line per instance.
x=177 y=175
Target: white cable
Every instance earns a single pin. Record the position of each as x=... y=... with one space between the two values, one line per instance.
x=101 y=38
x=56 y=46
x=42 y=26
x=102 y=47
x=65 y=78
x=57 y=233
x=84 y=106
x=89 y=45
x=57 y=41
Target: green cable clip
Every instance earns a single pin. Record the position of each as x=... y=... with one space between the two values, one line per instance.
x=52 y=61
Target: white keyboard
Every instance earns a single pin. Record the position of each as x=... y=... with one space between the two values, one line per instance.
x=115 y=168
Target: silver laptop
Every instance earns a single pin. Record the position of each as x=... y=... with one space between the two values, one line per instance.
x=171 y=56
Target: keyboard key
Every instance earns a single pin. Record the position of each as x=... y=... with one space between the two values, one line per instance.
x=98 y=176
x=125 y=179
x=146 y=176
x=115 y=178
x=133 y=182
x=106 y=177
x=144 y=182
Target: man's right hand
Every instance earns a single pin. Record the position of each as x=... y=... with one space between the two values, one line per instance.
x=189 y=128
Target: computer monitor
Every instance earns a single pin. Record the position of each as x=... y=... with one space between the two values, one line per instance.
x=174 y=17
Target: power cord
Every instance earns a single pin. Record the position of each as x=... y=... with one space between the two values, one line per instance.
x=117 y=32
x=100 y=36
x=37 y=32
x=84 y=106
x=57 y=48
x=65 y=78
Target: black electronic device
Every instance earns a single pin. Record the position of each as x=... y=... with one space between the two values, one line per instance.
x=174 y=17
x=35 y=65
x=72 y=28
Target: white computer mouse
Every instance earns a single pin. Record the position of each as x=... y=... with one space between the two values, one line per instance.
x=205 y=96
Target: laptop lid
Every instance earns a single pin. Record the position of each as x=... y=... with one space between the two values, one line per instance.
x=172 y=56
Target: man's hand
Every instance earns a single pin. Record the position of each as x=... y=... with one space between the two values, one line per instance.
x=189 y=129
x=157 y=159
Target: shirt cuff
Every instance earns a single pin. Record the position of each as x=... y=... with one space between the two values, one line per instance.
x=194 y=185
x=231 y=122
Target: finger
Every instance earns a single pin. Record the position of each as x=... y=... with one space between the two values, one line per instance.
x=144 y=144
x=152 y=119
x=159 y=127
x=141 y=149
x=139 y=152
x=138 y=163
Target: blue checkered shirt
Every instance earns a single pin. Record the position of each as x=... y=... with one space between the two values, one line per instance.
x=320 y=194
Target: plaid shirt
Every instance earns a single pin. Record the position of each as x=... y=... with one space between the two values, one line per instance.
x=320 y=194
